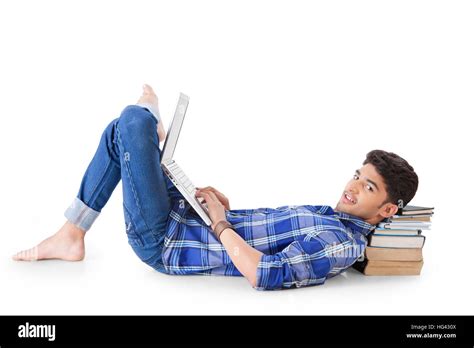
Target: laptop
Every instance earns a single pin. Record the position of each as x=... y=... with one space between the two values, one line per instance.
x=172 y=169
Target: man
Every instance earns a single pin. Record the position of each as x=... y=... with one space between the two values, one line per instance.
x=285 y=247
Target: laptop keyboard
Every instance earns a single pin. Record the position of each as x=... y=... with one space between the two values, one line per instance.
x=186 y=183
x=181 y=177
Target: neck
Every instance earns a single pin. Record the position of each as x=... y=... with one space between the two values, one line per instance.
x=374 y=220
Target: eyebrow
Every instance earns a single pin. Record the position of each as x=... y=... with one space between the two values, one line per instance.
x=368 y=180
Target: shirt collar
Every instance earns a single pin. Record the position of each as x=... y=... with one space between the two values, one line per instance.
x=352 y=222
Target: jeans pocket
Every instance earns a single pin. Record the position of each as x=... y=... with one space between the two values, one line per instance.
x=133 y=238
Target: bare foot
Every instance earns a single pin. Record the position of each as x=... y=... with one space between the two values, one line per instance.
x=149 y=98
x=66 y=244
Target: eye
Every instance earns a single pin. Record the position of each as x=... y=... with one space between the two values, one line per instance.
x=355 y=177
x=369 y=188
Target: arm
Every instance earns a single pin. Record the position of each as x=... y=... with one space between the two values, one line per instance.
x=302 y=263
x=243 y=256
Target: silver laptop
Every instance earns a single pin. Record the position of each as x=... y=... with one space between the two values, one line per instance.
x=171 y=168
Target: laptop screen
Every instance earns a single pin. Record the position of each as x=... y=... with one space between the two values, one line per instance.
x=175 y=127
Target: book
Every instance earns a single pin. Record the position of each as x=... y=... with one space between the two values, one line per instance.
x=396 y=241
x=405 y=225
x=393 y=254
x=387 y=268
x=415 y=210
x=421 y=217
x=396 y=232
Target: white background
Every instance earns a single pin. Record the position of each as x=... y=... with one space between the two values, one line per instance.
x=314 y=85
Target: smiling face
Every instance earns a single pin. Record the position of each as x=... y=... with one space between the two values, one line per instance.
x=365 y=196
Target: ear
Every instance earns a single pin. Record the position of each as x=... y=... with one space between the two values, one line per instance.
x=388 y=210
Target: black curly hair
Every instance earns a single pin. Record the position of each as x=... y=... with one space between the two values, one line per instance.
x=401 y=181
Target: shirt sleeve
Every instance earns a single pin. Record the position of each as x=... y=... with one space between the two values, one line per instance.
x=302 y=263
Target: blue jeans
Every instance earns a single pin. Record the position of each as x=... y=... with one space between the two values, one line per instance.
x=129 y=150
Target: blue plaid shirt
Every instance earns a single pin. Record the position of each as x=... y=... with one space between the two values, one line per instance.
x=302 y=245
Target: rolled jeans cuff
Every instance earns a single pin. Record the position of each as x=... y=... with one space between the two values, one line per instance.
x=79 y=214
x=152 y=108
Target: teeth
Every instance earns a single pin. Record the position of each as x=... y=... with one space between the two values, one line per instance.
x=350 y=198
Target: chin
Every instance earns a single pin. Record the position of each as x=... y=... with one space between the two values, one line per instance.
x=343 y=208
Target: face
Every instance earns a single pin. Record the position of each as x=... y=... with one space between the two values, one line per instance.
x=364 y=196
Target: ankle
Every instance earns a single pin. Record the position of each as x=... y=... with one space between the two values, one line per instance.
x=72 y=231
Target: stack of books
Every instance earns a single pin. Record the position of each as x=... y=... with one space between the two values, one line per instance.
x=395 y=246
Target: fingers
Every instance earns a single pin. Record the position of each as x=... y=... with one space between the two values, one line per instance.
x=204 y=195
x=220 y=196
x=214 y=197
x=211 y=189
x=215 y=207
x=207 y=188
x=209 y=197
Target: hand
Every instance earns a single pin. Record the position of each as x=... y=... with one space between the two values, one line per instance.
x=220 y=196
x=214 y=206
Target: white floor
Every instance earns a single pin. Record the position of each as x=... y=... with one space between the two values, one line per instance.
x=112 y=280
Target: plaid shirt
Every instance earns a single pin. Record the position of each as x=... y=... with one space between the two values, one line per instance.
x=302 y=245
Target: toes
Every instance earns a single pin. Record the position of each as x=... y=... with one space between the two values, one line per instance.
x=147 y=89
x=26 y=255
x=18 y=256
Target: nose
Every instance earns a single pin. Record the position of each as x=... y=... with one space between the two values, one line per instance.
x=353 y=190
